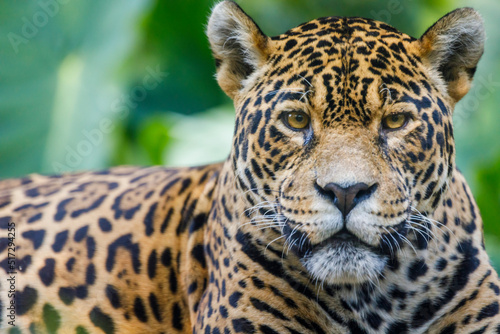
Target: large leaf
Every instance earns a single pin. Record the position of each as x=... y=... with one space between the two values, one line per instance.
x=57 y=60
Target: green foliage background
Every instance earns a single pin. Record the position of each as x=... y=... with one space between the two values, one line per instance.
x=90 y=84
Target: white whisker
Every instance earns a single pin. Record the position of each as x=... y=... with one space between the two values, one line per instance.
x=307 y=81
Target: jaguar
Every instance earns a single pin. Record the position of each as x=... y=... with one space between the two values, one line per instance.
x=340 y=208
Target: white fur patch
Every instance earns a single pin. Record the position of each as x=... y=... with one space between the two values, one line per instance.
x=344 y=263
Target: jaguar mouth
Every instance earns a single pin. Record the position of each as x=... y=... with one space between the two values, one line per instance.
x=342 y=237
x=342 y=240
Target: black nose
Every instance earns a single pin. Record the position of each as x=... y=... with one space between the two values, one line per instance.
x=347 y=198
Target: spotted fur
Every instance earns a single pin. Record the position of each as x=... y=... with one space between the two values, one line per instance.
x=344 y=226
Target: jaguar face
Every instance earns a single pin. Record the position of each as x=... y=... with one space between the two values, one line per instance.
x=343 y=135
x=346 y=182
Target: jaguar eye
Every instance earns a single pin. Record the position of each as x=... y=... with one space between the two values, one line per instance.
x=296 y=120
x=395 y=121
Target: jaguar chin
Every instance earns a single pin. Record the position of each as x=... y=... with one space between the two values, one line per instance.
x=344 y=259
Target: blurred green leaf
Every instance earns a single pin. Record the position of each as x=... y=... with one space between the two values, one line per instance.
x=488 y=196
x=204 y=138
x=493 y=249
x=58 y=61
x=154 y=138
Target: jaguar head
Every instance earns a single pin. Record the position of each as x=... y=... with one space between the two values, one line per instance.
x=343 y=130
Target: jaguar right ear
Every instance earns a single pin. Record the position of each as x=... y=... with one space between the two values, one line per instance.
x=238 y=45
x=452 y=48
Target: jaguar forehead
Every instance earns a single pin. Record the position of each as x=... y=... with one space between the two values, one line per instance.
x=344 y=66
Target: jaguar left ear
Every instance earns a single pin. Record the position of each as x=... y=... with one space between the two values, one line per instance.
x=452 y=47
x=238 y=45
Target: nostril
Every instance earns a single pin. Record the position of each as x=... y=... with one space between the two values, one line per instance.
x=365 y=193
x=328 y=193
